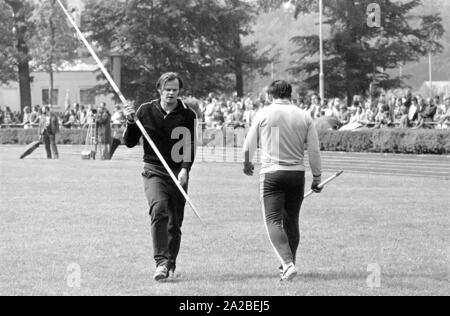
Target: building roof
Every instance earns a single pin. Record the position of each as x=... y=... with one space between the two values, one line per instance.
x=77 y=66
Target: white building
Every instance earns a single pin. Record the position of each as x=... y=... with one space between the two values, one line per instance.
x=440 y=88
x=74 y=83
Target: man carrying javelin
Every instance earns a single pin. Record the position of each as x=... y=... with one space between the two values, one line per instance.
x=283 y=131
x=171 y=124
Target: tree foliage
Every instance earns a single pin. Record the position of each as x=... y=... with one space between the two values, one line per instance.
x=198 y=38
x=53 y=41
x=357 y=54
x=8 y=52
x=16 y=18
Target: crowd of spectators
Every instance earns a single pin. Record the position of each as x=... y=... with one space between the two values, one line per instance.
x=397 y=112
x=74 y=116
x=220 y=111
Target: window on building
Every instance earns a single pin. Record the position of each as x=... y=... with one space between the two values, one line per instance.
x=87 y=96
x=46 y=99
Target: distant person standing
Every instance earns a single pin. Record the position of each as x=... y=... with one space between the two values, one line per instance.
x=27 y=118
x=49 y=127
x=103 y=126
x=284 y=132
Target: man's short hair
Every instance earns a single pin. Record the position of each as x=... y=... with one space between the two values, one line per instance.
x=280 y=89
x=168 y=76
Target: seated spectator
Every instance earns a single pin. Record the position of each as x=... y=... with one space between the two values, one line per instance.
x=76 y=108
x=71 y=122
x=383 y=119
x=426 y=115
x=118 y=118
x=66 y=116
x=218 y=118
x=383 y=108
x=209 y=113
x=27 y=118
x=91 y=114
x=18 y=117
x=328 y=109
x=413 y=112
x=357 y=115
x=36 y=114
x=301 y=103
x=9 y=116
x=439 y=106
x=344 y=115
x=336 y=107
x=236 y=118
x=82 y=116
x=397 y=111
x=249 y=114
x=444 y=119
x=370 y=113
x=314 y=108
x=404 y=118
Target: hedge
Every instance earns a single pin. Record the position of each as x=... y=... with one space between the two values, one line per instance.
x=364 y=140
x=26 y=136
x=405 y=141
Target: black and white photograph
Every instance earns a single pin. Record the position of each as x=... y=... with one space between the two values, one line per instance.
x=225 y=155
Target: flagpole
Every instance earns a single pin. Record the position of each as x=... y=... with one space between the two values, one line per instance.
x=321 y=75
x=430 y=74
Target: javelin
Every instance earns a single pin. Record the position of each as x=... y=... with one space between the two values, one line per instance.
x=324 y=183
x=124 y=101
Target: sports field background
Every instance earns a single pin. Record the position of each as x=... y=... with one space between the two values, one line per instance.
x=57 y=215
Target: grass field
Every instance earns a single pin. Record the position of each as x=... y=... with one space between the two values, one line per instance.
x=92 y=215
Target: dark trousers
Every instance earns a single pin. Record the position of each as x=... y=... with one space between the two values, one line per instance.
x=166 y=205
x=50 y=145
x=281 y=199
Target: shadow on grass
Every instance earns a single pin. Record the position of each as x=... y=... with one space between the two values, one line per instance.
x=344 y=275
x=322 y=276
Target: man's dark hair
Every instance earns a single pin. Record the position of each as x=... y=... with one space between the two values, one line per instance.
x=169 y=76
x=280 y=89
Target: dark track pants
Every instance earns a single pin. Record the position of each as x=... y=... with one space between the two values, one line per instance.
x=167 y=212
x=50 y=145
x=281 y=199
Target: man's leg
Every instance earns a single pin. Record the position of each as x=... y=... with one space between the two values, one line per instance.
x=54 y=147
x=273 y=206
x=46 y=139
x=175 y=222
x=295 y=189
x=158 y=197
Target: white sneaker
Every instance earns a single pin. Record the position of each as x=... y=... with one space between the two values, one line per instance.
x=289 y=273
x=161 y=273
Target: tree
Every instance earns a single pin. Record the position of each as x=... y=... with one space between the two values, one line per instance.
x=8 y=70
x=198 y=38
x=20 y=11
x=54 y=41
x=235 y=21
x=357 y=53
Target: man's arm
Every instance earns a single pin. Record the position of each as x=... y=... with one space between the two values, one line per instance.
x=250 y=146
x=315 y=161
x=132 y=133
x=191 y=148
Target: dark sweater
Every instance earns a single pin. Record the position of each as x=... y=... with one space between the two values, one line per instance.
x=160 y=127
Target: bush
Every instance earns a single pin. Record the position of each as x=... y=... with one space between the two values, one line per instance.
x=17 y=136
x=387 y=141
x=364 y=140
